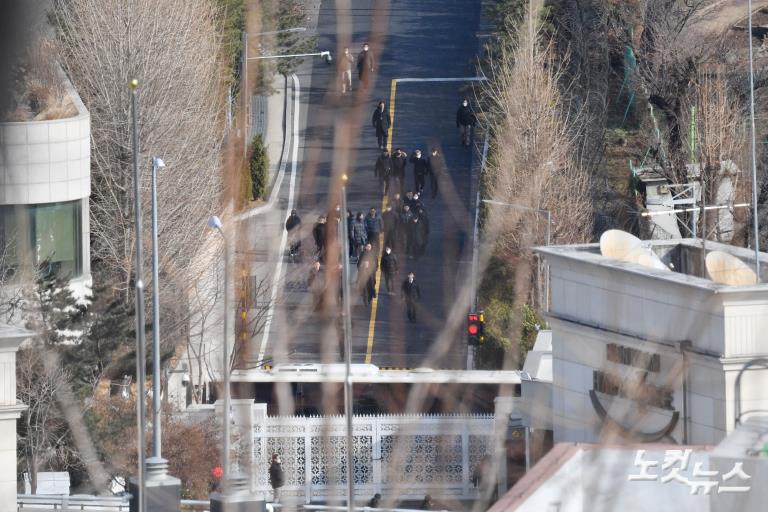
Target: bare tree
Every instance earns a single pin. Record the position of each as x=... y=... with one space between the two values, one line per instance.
x=43 y=433
x=717 y=139
x=105 y=44
x=11 y=295
x=536 y=134
x=669 y=49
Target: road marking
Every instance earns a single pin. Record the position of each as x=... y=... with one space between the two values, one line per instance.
x=284 y=238
x=392 y=93
x=375 y=301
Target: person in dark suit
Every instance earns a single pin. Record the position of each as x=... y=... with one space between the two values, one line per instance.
x=381 y=121
x=411 y=293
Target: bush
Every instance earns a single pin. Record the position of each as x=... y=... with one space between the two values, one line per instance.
x=509 y=331
x=258 y=167
x=231 y=18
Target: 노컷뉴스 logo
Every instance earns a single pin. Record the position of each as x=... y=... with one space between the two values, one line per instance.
x=676 y=463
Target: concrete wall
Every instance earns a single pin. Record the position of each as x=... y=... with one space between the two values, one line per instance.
x=10 y=340
x=49 y=162
x=596 y=301
x=46 y=161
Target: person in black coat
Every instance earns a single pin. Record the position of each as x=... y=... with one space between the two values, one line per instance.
x=276 y=476
x=366 y=281
x=389 y=221
x=381 y=122
x=420 y=170
x=411 y=294
x=416 y=203
x=404 y=228
x=350 y=219
x=365 y=65
x=436 y=166
x=421 y=213
x=358 y=234
x=389 y=268
x=318 y=233
x=399 y=161
x=383 y=170
x=292 y=226
x=316 y=285
x=420 y=236
x=368 y=255
x=374 y=502
x=465 y=121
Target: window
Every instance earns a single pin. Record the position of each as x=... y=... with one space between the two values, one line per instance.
x=52 y=238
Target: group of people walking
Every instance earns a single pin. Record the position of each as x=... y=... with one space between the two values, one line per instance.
x=364 y=65
x=376 y=238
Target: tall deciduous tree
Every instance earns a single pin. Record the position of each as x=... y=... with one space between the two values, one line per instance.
x=172 y=48
x=534 y=160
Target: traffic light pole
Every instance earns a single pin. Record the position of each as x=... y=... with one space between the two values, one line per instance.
x=347 y=348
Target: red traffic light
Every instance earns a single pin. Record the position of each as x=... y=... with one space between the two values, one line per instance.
x=472 y=329
x=472 y=317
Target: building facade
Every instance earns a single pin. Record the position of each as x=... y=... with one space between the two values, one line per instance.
x=44 y=189
x=652 y=355
x=10 y=410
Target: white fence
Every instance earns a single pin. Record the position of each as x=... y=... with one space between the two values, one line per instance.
x=403 y=456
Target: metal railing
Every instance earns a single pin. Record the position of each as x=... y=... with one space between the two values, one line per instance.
x=33 y=503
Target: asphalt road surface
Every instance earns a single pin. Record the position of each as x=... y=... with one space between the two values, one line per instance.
x=419 y=39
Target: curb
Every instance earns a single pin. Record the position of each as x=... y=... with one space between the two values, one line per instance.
x=278 y=179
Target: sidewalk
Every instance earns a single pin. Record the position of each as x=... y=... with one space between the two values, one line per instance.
x=268 y=119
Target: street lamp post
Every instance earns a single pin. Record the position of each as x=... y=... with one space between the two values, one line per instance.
x=215 y=223
x=538 y=211
x=324 y=54
x=348 y=410
x=755 y=227
x=157 y=163
x=245 y=92
x=139 y=289
x=284 y=31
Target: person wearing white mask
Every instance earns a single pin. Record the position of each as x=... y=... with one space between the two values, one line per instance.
x=365 y=65
x=465 y=121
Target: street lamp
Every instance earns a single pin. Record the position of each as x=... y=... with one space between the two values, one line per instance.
x=156 y=459
x=325 y=54
x=752 y=132
x=538 y=211
x=284 y=31
x=215 y=223
x=139 y=289
x=245 y=91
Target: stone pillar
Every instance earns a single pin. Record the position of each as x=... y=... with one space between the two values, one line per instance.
x=503 y=408
x=237 y=494
x=163 y=491
x=10 y=410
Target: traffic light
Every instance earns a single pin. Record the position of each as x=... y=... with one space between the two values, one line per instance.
x=475 y=328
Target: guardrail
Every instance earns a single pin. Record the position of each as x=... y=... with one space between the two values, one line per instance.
x=34 y=503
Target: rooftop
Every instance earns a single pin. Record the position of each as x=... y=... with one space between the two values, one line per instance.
x=684 y=257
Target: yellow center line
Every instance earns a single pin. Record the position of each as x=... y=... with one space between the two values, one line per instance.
x=375 y=301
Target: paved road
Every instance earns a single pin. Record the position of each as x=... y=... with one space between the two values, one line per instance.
x=422 y=39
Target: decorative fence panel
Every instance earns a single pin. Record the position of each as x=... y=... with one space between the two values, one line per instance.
x=403 y=456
